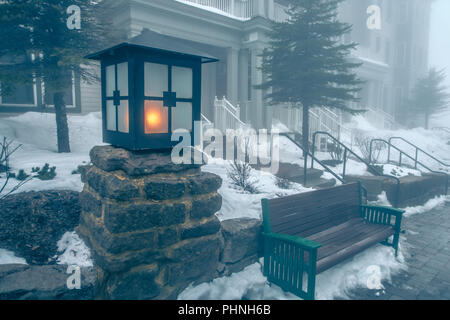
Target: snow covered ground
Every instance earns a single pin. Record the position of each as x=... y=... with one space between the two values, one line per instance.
x=37 y=133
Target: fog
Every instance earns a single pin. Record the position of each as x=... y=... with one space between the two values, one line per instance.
x=440 y=36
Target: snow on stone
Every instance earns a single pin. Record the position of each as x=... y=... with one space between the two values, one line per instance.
x=73 y=251
x=367 y=269
x=37 y=133
x=8 y=257
x=393 y=170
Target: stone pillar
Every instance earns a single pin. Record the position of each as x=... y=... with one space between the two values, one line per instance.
x=150 y=223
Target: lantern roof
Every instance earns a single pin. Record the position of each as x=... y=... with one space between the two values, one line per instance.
x=156 y=41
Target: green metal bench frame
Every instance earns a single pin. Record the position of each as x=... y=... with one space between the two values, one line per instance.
x=288 y=259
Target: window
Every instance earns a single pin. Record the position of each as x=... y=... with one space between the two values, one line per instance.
x=22 y=95
x=117 y=109
x=158 y=88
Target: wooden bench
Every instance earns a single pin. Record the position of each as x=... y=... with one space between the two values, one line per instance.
x=308 y=233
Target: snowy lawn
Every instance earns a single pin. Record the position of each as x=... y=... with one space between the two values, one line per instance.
x=37 y=134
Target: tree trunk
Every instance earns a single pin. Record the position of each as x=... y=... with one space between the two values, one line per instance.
x=62 y=128
x=305 y=128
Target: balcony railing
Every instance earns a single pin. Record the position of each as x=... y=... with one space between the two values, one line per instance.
x=242 y=9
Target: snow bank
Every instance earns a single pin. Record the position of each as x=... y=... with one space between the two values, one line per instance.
x=8 y=257
x=367 y=269
x=37 y=133
x=430 y=205
x=73 y=251
x=237 y=203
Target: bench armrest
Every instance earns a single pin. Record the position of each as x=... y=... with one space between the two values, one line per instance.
x=298 y=241
x=382 y=215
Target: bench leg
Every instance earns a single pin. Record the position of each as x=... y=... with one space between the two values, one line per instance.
x=311 y=293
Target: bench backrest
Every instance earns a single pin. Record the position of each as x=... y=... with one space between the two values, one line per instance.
x=312 y=212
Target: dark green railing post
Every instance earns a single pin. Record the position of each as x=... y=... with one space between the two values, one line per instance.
x=305 y=170
x=345 y=164
x=389 y=154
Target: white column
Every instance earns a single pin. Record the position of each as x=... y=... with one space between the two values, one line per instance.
x=257 y=95
x=232 y=74
x=243 y=82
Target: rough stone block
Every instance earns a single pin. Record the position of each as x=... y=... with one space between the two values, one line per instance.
x=196 y=230
x=196 y=261
x=48 y=282
x=118 y=243
x=242 y=239
x=90 y=204
x=111 y=186
x=136 y=217
x=206 y=206
x=117 y=262
x=164 y=188
x=109 y=158
x=137 y=284
x=167 y=237
x=204 y=183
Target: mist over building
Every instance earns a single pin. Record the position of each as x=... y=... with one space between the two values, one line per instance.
x=235 y=31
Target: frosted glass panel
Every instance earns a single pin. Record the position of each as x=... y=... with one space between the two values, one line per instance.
x=123 y=118
x=156 y=79
x=110 y=116
x=182 y=116
x=110 y=80
x=122 y=78
x=182 y=82
x=156 y=117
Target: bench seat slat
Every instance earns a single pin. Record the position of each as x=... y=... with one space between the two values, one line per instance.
x=356 y=247
x=309 y=228
x=345 y=238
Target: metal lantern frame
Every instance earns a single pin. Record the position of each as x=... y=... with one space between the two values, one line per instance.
x=152 y=48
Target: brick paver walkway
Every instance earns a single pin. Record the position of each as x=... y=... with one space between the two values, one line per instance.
x=427 y=238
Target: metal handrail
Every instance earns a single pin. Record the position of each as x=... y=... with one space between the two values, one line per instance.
x=307 y=153
x=409 y=157
x=347 y=150
x=417 y=152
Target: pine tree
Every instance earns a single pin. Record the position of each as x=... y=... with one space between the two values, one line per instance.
x=306 y=63
x=429 y=95
x=35 y=39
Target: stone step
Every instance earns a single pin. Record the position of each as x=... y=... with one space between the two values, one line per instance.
x=321 y=183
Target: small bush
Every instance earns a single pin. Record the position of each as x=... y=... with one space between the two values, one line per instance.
x=283 y=183
x=46 y=173
x=240 y=176
x=363 y=144
x=22 y=175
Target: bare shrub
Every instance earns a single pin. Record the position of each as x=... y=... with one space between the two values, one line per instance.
x=6 y=150
x=240 y=174
x=363 y=144
x=283 y=183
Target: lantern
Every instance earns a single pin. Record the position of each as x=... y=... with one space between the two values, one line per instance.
x=151 y=86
